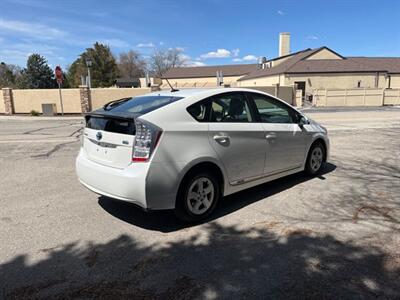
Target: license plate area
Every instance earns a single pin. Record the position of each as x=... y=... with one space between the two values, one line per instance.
x=114 y=150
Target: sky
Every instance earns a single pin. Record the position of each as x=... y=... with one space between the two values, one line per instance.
x=209 y=32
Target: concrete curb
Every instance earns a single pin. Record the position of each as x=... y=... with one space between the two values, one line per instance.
x=40 y=118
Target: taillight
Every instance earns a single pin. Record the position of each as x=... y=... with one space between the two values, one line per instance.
x=146 y=139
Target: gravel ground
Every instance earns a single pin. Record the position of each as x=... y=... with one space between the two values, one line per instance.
x=334 y=236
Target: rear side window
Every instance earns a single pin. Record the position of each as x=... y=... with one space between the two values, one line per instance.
x=227 y=107
x=111 y=125
x=198 y=111
x=145 y=104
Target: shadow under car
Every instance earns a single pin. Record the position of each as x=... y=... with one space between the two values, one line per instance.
x=165 y=221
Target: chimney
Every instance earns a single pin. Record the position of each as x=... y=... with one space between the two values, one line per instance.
x=284 y=43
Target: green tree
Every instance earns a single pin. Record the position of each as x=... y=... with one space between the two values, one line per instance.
x=104 y=69
x=74 y=73
x=37 y=74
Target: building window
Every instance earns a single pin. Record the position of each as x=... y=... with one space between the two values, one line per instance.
x=359 y=83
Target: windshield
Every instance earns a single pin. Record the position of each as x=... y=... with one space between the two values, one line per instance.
x=144 y=104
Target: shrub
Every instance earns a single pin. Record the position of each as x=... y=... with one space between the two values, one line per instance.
x=34 y=113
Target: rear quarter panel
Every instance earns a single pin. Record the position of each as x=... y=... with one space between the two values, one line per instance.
x=176 y=154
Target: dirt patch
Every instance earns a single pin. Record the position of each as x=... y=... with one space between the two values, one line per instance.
x=267 y=224
x=373 y=210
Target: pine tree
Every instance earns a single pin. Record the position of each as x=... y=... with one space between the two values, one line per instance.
x=37 y=74
x=104 y=69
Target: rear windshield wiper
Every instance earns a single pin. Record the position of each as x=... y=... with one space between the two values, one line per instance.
x=114 y=103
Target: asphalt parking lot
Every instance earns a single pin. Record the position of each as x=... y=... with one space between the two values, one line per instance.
x=334 y=236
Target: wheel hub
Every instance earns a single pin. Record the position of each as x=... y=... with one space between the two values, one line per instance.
x=200 y=195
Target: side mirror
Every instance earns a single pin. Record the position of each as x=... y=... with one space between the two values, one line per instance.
x=303 y=121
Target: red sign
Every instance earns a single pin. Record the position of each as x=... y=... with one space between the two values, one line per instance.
x=59 y=74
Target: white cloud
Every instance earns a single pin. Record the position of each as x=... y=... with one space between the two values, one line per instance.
x=145 y=45
x=250 y=58
x=195 y=64
x=220 y=53
x=237 y=59
x=185 y=57
x=36 y=30
x=312 y=37
x=180 y=49
x=235 y=52
x=161 y=43
x=281 y=12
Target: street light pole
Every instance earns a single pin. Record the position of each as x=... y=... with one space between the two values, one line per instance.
x=89 y=64
x=90 y=82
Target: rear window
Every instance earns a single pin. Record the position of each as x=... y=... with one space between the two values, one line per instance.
x=145 y=104
x=111 y=125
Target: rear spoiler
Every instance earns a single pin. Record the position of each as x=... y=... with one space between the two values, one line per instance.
x=105 y=114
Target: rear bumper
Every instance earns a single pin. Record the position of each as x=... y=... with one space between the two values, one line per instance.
x=128 y=184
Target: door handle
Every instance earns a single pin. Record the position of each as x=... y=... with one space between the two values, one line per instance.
x=270 y=136
x=221 y=138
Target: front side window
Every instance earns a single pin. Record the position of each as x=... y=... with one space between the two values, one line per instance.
x=228 y=107
x=272 y=111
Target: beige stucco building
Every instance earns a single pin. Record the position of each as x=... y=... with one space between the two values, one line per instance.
x=307 y=70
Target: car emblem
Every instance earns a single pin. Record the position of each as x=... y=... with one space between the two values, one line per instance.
x=99 y=136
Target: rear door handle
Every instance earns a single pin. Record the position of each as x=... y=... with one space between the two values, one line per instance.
x=270 y=136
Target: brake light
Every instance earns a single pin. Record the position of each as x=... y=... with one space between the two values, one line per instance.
x=146 y=139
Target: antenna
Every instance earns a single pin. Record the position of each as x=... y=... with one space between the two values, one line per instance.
x=172 y=89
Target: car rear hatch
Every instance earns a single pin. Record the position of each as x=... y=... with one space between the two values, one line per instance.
x=110 y=131
x=108 y=139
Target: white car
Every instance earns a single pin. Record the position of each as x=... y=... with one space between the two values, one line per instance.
x=186 y=149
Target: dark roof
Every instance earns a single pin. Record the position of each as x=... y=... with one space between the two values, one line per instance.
x=332 y=66
x=390 y=64
x=300 y=64
x=282 y=67
x=209 y=71
x=127 y=82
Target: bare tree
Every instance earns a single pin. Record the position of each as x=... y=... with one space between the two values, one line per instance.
x=162 y=60
x=131 y=65
x=10 y=75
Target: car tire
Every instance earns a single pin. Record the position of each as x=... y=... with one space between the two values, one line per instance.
x=316 y=159
x=198 y=196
